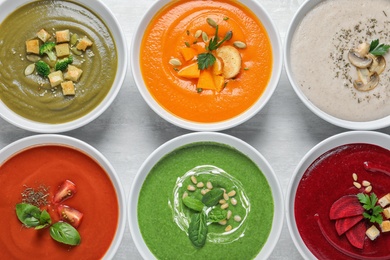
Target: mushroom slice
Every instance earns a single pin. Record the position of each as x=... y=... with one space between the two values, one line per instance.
x=378 y=64
x=363 y=49
x=371 y=84
x=364 y=75
x=359 y=61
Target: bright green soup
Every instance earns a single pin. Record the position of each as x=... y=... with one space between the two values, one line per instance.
x=167 y=240
x=32 y=96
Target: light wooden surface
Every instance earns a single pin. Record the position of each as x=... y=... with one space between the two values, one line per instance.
x=129 y=130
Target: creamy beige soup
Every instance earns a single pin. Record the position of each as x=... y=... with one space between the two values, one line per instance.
x=319 y=57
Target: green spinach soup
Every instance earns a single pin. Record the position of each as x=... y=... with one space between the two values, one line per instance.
x=205 y=200
x=58 y=61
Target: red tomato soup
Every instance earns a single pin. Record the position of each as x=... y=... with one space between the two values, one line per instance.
x=326 y=203
x=50 y=166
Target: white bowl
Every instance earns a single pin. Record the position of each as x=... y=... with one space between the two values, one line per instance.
x=353 y=125
x=236 y=143
x=367 y=137
x=52 y=139
x=263 y=16
x=110 y=20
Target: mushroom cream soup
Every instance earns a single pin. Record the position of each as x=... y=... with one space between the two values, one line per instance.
x=40 y=97
x=320 y=60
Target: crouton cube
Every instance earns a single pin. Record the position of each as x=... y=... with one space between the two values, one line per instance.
x=385 y=200
x=62 y=36
x=62 y=50
x=43 y=35
x=386 y=212
x=56 y=78
x=372 y=232
x=84 y=43
x=32 y=46
x=385 y=226
x=68 y=88
x=73 y=73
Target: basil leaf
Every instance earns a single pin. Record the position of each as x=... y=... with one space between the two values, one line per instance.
x=212 y=197
x=219 y=182
x=44 y=220
x=197 y=231
x=65 y=233
x=216 y=215
x=193 y=204
x=28 y=214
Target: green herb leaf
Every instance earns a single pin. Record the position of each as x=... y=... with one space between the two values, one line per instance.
x=197 y=230
x=212 y=197
x=193 y=204
x=44 y=220
x=28 y=214
x=205 y=60
x=216 y=215
x=373 y=211
x=65 y=233
x=378 y=49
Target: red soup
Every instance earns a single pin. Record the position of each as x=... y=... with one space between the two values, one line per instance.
x=329 y=212
x=42 y=170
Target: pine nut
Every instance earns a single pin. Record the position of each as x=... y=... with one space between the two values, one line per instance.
x=229 y=214
x=231 y=193
x=222 y=201
x=204 y=191
x=366 y=183
x=368 y=189
x=228 y=228
x=357 y=185
x=209 y=185
x=191 y=188
x=193 y=179
x=233 y=201
x=237 y=218
x=200 y=185
x=185 y=194
x=354 y=176
x=222 y=222
x=225 y=196
x=224 y=206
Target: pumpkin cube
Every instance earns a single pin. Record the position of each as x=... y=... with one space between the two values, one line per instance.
x=218 y=66
x=206 y=80
x=188 y=53
x=56 y=78
x=84 y=43
x=191 y=71
x=219 y=82
x=32 y=46
x=68 y=88
x=62 y=36
x=43 y=35
x=73 y=73
x=62 y=50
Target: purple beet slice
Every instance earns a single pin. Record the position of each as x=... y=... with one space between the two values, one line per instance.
x=357 y=234
x=344 y=224
x=346 y=206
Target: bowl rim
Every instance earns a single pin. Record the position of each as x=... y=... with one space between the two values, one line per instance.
x=299 y=15
x=20 y=145
x=215 y=137
x=277 y=64
x=104 y=13
x=349 y=137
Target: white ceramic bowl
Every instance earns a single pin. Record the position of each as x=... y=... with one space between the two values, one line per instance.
x=110 y=20
x=368 y=137
x=263 y=16
x=353 y=125
x=236 y=143
x=52 y=139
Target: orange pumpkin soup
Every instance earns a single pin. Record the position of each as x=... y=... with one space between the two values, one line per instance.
x=49 y=166
x=175 y=38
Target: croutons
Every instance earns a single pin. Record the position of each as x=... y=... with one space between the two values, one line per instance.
x=43 y=35
x=386 y=212
x=372 y=232
x=56 y=78
x=73 y=73
x=385 y=200
x=84 y=43
x=231 y=60
x=62 y=50
x=62 y=36
x=32 y=46
x=68 y=88
x=385 y=226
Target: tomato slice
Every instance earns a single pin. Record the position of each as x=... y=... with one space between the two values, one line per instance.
x=66 y=191
x=70 y=215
